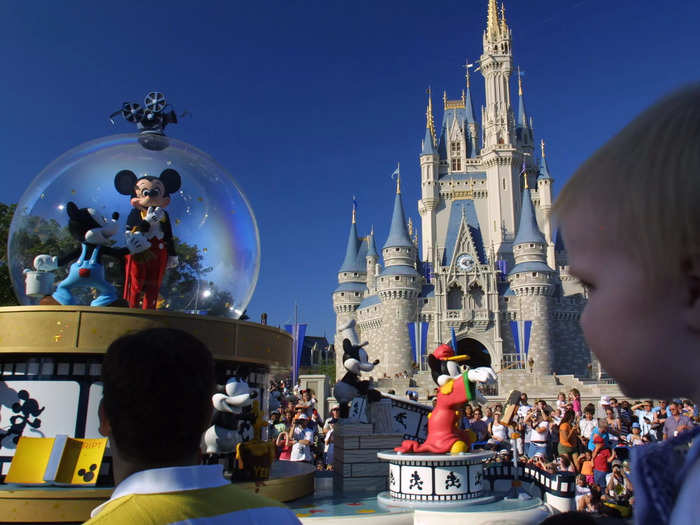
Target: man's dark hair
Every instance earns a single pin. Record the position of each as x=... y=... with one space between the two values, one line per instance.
x=157 y=394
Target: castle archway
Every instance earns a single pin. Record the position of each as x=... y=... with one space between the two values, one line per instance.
x=478 y=353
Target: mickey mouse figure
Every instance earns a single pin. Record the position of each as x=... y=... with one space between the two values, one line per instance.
x=94 y=233
x=355 y=361
x=223 y=435
x=149 y=198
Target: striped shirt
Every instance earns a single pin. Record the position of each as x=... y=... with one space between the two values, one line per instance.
x=194 y=495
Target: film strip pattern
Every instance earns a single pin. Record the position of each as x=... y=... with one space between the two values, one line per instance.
x=409 y=418
x=562 y=484
x=436 y=481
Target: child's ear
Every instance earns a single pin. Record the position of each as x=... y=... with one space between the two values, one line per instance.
x=691 y=290
x=105 y=427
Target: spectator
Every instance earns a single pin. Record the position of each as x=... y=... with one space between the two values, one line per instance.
x=568 y=437
x=575 y=400
x=613 y=426
x=561 y=404
x=488 y=415
x=335 y=415
x=604 y=404
x=625 y=417
x=159 y=481
x=498 y=433
x=467 y=417
x=582 y=490
x=645 y=416
x=329 y=446
x=676 y=422
x=635 y=438
x=602 y=431
x=586 y=426
x=478 y=425
x=539 y=421
x=284 y=443
x=303 y=437
x=524 y=407
x=602 y=457
x=276 y=425
x=585 y=466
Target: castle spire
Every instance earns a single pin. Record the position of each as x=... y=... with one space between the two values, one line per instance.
x=528 y=231
x=397 y=172
x=468 y=100
x=544 y=169
x=492 y=25
x=429 y=140
x=504 y=27
x=372 y=247
x=522 y=116
x=398 y=233
x=350 y=263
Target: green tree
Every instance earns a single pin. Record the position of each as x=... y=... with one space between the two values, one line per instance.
x=7 y=295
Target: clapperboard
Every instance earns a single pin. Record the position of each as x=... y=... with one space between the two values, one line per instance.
x=409 y=418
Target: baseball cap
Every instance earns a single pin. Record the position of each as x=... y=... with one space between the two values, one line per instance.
x=635 y=425
x=302 y=416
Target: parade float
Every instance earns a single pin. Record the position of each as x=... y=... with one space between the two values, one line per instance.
x=132 y=231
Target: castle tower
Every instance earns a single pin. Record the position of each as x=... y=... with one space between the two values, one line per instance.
x=497 y=66
x=472 y=130
x=352 y=278
x=398 y=286
x=532 y=282
x=430 y=194
x=544 y=190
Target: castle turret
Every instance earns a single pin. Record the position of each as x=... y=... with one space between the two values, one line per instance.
x=544 y=190
x=472 y=130
x=532 y=281
x=430 y=194
x=352 y=278
x=398 y=286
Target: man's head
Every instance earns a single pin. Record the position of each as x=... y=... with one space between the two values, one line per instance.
x=602 y=425
x=335 y=412
x=157 y=393
x=674 y=408
x=523 y=398
x=631 y=226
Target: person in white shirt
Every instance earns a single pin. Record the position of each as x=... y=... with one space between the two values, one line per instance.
x=303 y=437
x=586 y=426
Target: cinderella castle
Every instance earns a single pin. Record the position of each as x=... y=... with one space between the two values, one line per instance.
x=486 y=264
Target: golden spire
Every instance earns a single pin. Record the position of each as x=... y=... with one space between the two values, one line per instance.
x=398 y=178
x=429 y=121
x=354 y=211
x=503 y=18
x=444 y=99
x=520 y=83
x=542 y=147
x=525 y=177
x=492 y=19
x=467 y=65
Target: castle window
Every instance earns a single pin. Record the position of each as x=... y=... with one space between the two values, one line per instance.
x=342 y=294
x=532 y=245
x=455 y=298
x=354 y=274
x=534 y=274
x=396 y=278
x=425 y=301
x=357 y=294
x=345 y=274
x=457 y=164
x=504 y=184
x=398 y=249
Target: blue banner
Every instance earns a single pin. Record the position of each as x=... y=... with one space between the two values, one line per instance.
x=502 y=266
x=418 y=334
x=298 y=332
x=528 y=329
x=516 y=339
x=453 y=339
x=427 y=272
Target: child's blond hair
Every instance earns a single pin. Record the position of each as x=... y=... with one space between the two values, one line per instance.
x=644 y=184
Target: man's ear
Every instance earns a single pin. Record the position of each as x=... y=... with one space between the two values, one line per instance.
x=105 y=426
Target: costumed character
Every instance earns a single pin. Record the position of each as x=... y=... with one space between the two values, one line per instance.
x=456 y=389
x=149 y=198
x=355 y=361
x=222 y=436
x=94 y=233
x=254 y=458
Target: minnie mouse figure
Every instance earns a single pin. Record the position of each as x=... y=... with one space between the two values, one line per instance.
x=149 y=198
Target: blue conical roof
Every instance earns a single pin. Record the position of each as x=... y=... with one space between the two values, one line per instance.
x=372 y=250
x=522 y=116
x=428 y=146
x=543 y=170
x=469 y=107
x=398 y=233
x=528 y=231
x=350 y=263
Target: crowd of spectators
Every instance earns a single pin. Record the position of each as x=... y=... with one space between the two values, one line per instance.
x=591 y=442
x=298 y=430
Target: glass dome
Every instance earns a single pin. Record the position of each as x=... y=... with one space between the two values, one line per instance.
x=214 y=229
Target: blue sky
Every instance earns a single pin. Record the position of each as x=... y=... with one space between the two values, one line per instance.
x=307 y=103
